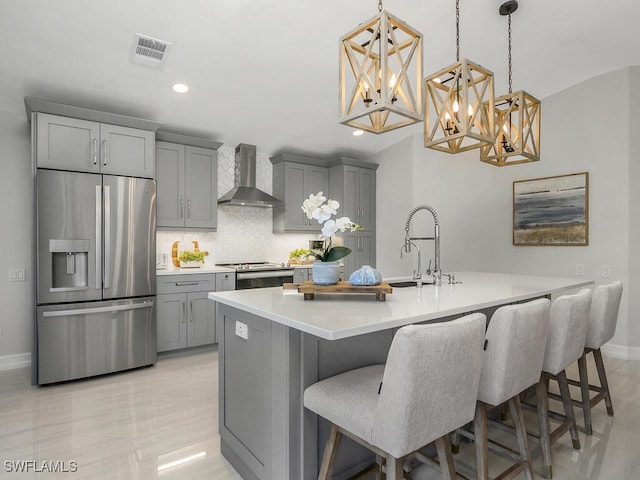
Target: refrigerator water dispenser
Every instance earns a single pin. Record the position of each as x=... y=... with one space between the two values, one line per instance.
x=69 y=264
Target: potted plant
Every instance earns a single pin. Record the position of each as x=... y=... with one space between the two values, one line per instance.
x=191 y=259
x=326 y=271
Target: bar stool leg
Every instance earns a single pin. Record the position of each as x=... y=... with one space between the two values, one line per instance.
x=330 y=453
x=597 y=356
x=394 y=468
x=584 y=390
x=455 y=441
x=543 y=424
x=568 y=408
x=445 y=457
x=515 y=409
x=480 y=437
x=379 y=462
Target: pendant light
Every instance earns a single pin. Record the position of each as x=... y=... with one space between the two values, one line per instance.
x=381 y=74
x=517 y=122
x=459 y=107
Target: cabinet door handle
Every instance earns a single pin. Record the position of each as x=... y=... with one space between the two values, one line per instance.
x=361 y=215
x=188 y=209
x=104 y=145
x=95 y=151
x=191 y=311
x=181 y=209
x=184 y=284
x=184 y=312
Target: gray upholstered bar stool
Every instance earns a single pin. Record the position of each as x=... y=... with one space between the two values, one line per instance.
x=565 y=344
x=603 y=317
x=511 y=363
x=427 y=388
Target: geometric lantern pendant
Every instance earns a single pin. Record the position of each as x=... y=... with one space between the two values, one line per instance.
x=518 y=131
x=459 y=111
x=381 y=75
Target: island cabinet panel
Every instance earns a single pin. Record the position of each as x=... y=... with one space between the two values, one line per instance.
x=294 y=179
x=187 y=185
x=265 y=431
x=66 y=143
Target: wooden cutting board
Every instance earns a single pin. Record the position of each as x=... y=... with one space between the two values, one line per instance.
x=309 y=289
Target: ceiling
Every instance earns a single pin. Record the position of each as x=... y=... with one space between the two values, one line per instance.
x=265 y=72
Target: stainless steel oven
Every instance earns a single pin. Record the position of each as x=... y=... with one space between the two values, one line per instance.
x=260 y=274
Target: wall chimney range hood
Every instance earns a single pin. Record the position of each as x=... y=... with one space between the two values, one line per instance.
x=245 y=193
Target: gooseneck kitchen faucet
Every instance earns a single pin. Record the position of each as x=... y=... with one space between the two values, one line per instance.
x=436 y=273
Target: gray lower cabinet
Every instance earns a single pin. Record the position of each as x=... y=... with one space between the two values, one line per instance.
x=187 y=186
x=66 y=143
x=185 y=316
x=302 y=275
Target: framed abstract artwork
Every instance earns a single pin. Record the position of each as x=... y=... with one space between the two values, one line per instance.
x=552 y=210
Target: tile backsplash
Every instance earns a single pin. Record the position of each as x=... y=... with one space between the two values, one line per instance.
x=244 y=233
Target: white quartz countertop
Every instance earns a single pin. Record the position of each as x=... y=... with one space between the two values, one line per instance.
x=336 y=316
x=190 y=271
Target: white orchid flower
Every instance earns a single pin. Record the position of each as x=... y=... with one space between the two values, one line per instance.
x=313 y=203
x=343 y=223
x=333 y=205
x=321 y=214
x=329 y=228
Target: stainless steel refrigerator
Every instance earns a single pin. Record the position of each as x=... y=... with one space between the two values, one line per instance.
x=95 y=286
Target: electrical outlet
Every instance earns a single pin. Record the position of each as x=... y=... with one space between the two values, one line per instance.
x=242 y=330
x=579 y=269
x=17 y=275
x=605 y=271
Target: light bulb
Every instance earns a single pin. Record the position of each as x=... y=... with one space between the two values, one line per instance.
x=505 y=128
x=447 y=117
x=470 y=111
x=392 y=82
x=456 y=107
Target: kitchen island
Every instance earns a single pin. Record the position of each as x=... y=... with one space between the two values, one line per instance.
x=273 y=344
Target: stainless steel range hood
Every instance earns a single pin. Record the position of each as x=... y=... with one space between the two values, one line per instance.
x=245 y=193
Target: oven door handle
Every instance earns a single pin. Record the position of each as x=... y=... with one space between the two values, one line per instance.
x=267 y=274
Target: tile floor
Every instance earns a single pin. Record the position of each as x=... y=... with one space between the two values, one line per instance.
x=161 y=422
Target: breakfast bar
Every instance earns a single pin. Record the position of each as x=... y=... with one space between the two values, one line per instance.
x=273 y=344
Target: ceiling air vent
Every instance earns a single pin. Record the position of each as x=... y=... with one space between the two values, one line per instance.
x=148 y=51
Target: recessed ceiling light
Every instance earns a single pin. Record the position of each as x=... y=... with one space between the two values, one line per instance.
x=357 y=133
x=180 y=88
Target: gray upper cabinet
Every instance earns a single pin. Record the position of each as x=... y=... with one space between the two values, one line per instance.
x=353 y=184
x=187 y=185
x=66 y=143
x=294 y=179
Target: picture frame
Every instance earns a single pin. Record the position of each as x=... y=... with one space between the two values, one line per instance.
x=551 y=211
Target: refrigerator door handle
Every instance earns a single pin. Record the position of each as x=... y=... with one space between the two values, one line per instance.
x=87 y=311
x=98 y=237
x=107 y=236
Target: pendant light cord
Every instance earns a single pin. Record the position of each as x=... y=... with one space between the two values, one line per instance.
x=510 y=79
x=457 y=30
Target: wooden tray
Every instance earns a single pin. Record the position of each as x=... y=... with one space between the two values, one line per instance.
x=309 y=289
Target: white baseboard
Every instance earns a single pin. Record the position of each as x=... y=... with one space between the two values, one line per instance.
x=11 y=362
x=621 y=351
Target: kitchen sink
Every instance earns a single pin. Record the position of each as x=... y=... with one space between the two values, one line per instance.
x=407 y=283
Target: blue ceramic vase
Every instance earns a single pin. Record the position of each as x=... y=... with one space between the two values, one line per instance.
x=325 y=273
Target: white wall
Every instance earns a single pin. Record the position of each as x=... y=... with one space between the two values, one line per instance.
x=584 y=128
x=15 y=239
